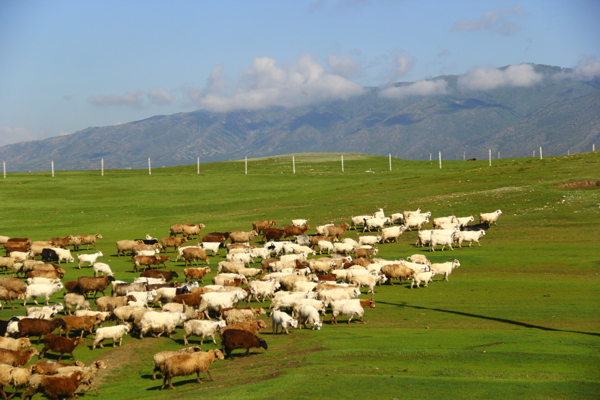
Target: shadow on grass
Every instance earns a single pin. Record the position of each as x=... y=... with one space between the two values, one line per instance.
x=502 y=320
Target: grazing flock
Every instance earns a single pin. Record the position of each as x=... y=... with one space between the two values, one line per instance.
x=302 y=275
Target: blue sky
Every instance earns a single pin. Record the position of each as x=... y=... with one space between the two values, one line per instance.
x=67 y=65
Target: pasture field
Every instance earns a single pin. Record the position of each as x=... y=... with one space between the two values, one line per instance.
x=518 y=318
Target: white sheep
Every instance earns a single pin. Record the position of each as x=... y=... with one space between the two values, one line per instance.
x=419 y=277
x=216 y=301
x=469 y=236
x=262 y=290
x=306 y=313
x=102 y=268
x=110 y=332
x=63 y=254
x=89 y=258
x=358 y=220
x=351 y=308
x=367 y=280
x=299 y=222
x=343 y=248
x=77 y=300
x=377 y=223
x=41 y=290
x=202 y=328
x=444 y=268
x=212 y=246
x=415 y=221
x=369 y=240
x=160 y=322
x=443 y=238
x=463 y=221
x=490 y=218
x=392 y=233
x=283 y=320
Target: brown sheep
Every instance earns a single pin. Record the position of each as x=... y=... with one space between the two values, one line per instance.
x=251 y=326
x=195 y=273
x=14 y=284
x=160 y=358
x=242 y=237
x=259 y=226
x=9 y=295
x=292 y=230
x=174 y=242
x=185 y=229
x=397 y=271
x=195 y=254
x=336 y=230
x=109 y=303
x=59 y=344
x=62 y=242
x=234 y=338
x=89 y=239
x=191 y=299
x=242 y=314
x=17 y=358
x=166 y=275
x=188 y=364
x=93 y=284
x=38 y=327
x=127 y=245
x=88 y=374
x=55 y=387
x=51 y=367
x=82 y=323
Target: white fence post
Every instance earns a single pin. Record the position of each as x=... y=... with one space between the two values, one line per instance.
x=390 y=156
x=593 y=146
x=568 y=152
x=294 y=164
x=541 y=157
x=429 y=156
x=490 y=156
x=4 y=168
x=464 y=155
x=149 y=166
x=246 y=165
x=342 y=163
x=440 y=157
x=533 y=153
x=198 y=167
x=498 y=155
x=102 y=167
x=52 y=166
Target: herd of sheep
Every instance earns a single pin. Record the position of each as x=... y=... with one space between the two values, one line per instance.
x=303 y=276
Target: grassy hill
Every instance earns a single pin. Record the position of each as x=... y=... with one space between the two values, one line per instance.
x=518 y=319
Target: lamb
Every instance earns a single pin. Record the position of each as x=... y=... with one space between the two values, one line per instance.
x=59 y=344
x=160 y=322
x=77 y=300
x=306 y=313
x=14 y=376
x=41 y=290
x=110 y=332
x=17 y=358
x=89 y=258
x=188 y=364
x=350 y=307
x=14 y=344
x=202 y=328
x=234 y=338
x=444 y=268
x=490 y=218
x=469 y=236
x=283 y=320
x=102 y=268
x=160 y=358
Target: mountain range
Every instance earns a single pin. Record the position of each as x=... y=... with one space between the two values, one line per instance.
x=559 y=115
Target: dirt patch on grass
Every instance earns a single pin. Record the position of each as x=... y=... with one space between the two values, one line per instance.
x=578 y=185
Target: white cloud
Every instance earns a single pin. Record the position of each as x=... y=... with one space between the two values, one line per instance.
x=14 y=135
x=419 y=88
x=344 y=66
x=402 y=66
x=267 y=84
x=131 y=99
x=587 y=69
x=159 y=96
x=490 y=78
x=493 y=21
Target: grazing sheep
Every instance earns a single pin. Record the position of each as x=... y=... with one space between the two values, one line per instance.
x=110 y=332
x=77 y=300
x=235 y=338
x=102 y=268
x=283 y=320
x=305 y=313
x=188 y=364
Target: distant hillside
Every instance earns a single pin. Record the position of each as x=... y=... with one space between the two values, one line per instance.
x=559 y=115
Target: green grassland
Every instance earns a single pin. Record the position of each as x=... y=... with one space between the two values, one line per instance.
x=518 y=319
